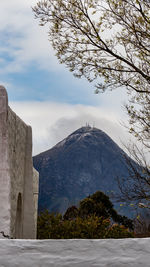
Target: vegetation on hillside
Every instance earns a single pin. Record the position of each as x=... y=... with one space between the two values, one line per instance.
x=95 y=218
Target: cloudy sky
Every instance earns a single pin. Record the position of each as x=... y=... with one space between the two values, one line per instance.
x=43 y=92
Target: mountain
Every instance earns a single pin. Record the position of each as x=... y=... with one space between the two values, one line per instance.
x=86 y=161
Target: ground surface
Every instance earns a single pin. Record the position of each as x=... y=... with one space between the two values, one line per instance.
x=75 y=253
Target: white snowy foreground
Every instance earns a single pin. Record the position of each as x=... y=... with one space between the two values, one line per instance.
x=75 y=253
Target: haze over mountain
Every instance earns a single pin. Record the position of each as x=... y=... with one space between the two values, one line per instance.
x=86 y=161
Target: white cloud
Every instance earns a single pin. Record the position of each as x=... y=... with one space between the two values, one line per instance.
x=51 y=122
x=25 y=43
x=24 y=40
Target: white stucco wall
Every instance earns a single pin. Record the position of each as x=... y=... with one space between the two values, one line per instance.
x=4 y=166
x=17 y=182
x=35 y=195
x=75 y=253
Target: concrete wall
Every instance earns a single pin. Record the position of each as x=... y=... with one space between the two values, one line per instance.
x=35 y=194
x=75 y=253
x=17 y=182
x=4 y=165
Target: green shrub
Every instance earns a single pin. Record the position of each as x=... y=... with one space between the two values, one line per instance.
x=93 y=219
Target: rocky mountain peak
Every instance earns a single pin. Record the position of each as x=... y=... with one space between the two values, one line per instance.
x=87 y=136
x=87 y=131
x=86 y=161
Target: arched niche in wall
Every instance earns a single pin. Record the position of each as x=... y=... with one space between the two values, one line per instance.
x=18 y=224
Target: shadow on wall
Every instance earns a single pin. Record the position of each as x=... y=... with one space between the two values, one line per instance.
x=18 y=229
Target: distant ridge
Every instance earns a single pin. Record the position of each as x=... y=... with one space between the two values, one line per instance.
x=84 y=162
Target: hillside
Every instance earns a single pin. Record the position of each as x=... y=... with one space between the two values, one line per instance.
x=86 y=161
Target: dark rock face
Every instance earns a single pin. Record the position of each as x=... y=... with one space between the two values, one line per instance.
x=86 y=161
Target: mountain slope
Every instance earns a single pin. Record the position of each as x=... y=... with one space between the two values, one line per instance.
x=86 y=161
